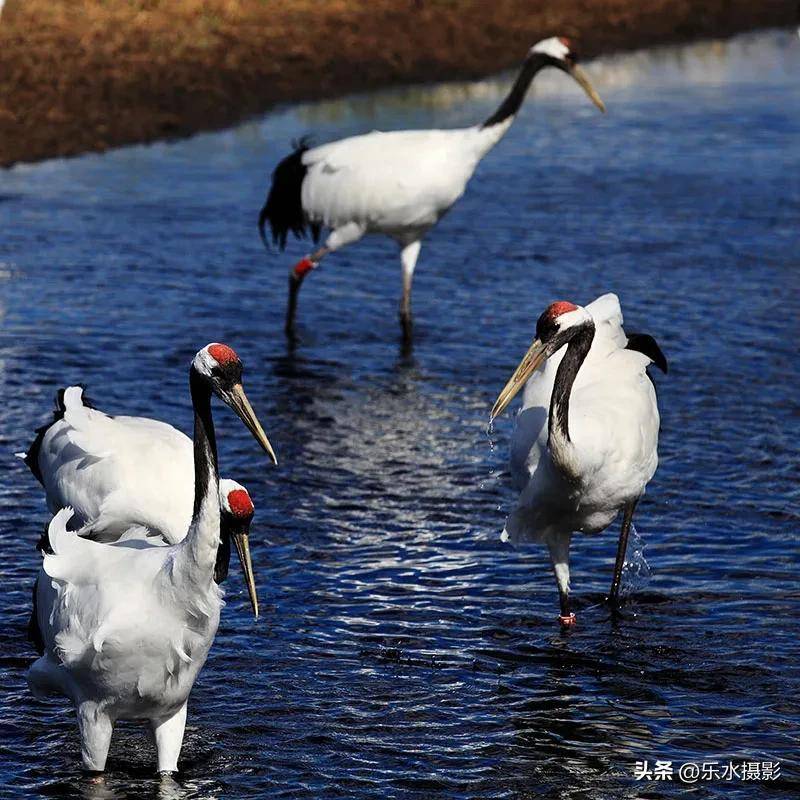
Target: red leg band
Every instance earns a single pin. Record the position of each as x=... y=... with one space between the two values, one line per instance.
x=303 y=267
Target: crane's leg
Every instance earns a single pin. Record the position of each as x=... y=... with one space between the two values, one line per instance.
x=344 y=235
x=296 y=276
x=622 y=547
x=408 y=258
x=95 y=727
x=558 y=544
x=169 y=739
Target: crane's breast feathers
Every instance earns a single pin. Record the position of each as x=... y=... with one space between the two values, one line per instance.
x=118 y=610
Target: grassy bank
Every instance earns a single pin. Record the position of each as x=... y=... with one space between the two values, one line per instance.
x=78 y=75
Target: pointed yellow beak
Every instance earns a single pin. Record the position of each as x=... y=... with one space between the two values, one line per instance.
x=537 y=354
x=242 y=543
x=583 y=81
x=238 y=401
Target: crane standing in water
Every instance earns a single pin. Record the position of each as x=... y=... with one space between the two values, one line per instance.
x=126 y=627
x=398 y=183
x=585 y=442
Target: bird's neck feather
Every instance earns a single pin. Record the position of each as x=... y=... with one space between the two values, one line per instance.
x=198 y=551
x=499 y=122
x=558 y=439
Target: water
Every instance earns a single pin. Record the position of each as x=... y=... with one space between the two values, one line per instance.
x=404 y=650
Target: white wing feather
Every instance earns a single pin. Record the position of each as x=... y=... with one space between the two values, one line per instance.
x=118 y=471
x=388 y=181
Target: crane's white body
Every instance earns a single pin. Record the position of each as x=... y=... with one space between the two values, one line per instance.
x=126 y=627
x=397 y=183
x=582 y=484
x=117 y=472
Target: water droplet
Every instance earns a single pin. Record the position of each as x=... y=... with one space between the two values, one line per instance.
x=636 y=572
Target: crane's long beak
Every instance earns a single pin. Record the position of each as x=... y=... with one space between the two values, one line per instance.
x=583 y=81
x=537 y=354
x=237 y=400
x=242 y=543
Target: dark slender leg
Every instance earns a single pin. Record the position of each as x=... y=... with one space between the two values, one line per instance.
x=295 y=281
x=296 y=276
x=622 y=547
x=406 y=323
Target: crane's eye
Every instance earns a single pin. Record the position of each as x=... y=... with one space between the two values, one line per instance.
x=546 y=328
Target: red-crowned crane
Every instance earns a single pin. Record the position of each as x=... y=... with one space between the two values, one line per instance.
x=585 y=442
x=127 y=626
x=398 y=183
x=131 y=476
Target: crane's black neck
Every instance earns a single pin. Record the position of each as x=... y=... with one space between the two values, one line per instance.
x=577 y=350
x=206 y=479
x=532 y=64
x=223 y=562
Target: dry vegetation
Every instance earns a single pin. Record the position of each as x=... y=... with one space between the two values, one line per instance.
x=80 y=75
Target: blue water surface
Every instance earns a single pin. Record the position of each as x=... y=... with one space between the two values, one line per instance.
x=403 y=649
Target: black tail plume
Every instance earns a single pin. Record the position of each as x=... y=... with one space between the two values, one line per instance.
x=283 y=208
x=646 y=344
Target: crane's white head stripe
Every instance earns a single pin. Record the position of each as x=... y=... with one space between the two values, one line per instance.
x=555 y=47
x=214 y=355
x=226 y=486
x=577 y=316
x=560 y=315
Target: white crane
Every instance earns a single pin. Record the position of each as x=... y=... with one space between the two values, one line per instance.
x=127 y=476
x=236 y=512
x=397 y=183
x=127 y=626
x=585 y=442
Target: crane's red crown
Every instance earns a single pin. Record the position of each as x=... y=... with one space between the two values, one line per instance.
x=566 y=42
x=558 y=308
x=222 y=354
x=240 y=503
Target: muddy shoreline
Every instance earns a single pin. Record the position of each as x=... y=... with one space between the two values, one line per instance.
x=87 y=75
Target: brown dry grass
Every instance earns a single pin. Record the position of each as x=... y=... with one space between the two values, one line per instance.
x=80 y=75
